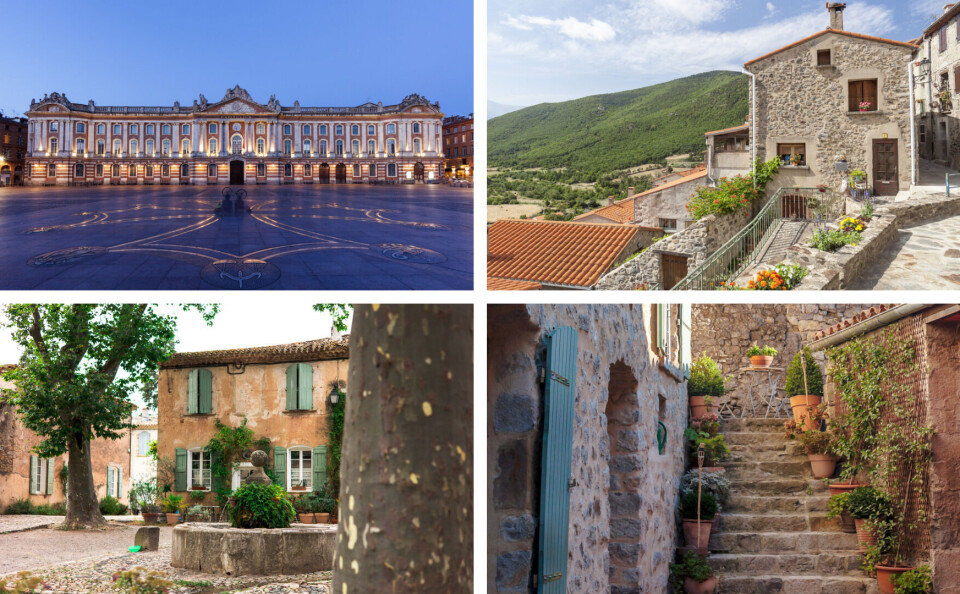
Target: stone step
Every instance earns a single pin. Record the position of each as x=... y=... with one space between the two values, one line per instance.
x=739 y=502
x=782 y=542
x=794 y=486
x=779 y=469
x=767 y=584
x=750 y=425
x=797 y=522
x=753 y=438
x=759 y=452
x=824 y=564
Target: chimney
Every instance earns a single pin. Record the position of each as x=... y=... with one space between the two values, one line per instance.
x=947 y=7
x=630 y=192
x=334 y=333
x=610 y=200
x=836 y=15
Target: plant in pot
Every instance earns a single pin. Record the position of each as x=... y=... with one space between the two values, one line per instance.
x=696 y=533
x=715 y=447
x=196 y=513
x=819 y=445
x=303 y=505
x=693 y=575
x=761 y=356
x=871 y=510
x=704 y=387
x=837 y=508
x=804 y=386
x=171 y=508
x=300 y=485
x=197 y=496
x=915 y=581
x=714 y=481
x=324 y=508
x=889 y=529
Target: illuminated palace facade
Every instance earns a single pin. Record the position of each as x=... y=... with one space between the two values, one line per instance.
x=233 y=141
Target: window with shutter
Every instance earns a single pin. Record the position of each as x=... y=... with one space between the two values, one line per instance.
x=956 y=77
x=110 y=481
x=51 y=463
x=205 y=389
x=320 y=468
x=299 y=387
x=279 y=461
x=192 y=393
x=34 y=475
x=119 y=483
x=180 y=470
x=942 y=34
x=823 y=57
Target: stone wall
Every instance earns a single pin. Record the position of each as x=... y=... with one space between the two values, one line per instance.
x=799 y=102
x=697 y=242
x=622 y=506
x=668 y=203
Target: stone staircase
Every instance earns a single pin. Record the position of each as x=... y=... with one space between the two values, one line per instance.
x=789 y=232
x=774 y=535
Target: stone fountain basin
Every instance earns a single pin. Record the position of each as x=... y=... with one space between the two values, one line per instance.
x=218 y=548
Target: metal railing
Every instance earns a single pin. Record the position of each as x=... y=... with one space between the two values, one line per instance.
x=746 y=247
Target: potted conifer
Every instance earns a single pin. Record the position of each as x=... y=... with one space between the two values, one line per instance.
x=693 y=574
x=870 y=508
x=704 y=387
x=804 y=386
x=696 y=532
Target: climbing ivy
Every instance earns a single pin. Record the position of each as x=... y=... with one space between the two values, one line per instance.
x=335 y=435
x=225 y=447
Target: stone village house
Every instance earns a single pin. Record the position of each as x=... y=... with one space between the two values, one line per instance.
x=24 y=475
x=581 y=497
x=936 y=73
x=283 y=392
x=807 y=98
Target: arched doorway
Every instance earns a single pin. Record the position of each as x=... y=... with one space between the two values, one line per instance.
x=5 y=176
x=18 y=175
x=324 y=172
x=236 y=173
x=418 y=172
x=341 y=173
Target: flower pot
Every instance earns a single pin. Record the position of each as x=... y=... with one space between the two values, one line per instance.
x=322 y=518
x=866 y=535
x=307 y=519
x=298 y=488
x=822 y=465
x=691 y=528
x=172 y=519
x=846 y=520
x=150 y=517
x=761 y=360
x=799 y=405
x=884 y=573
x=333 y=519
x=692 y=586
x=699 y=408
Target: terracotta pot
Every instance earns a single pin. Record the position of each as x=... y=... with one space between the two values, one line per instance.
x=691 y=529
x=761 y=360
x=333 y=520
x=865 y=534
x=172 y=519
x=708 y=586
x=322 y=518
x=884 y=573
x=307 y=519
x=822 y=465
x=698 y=407
x=799 y=405
x=846 y=520
x=150 y=517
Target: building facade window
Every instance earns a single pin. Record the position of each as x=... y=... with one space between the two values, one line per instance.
x=323 y=129
x=101 y=129
x=117 y=146
x=416 y=145
x=338 y=129
x=165 y=129
x=131 y=171
x=212 y=128
x=81 y=146
x=101 y=147
x=165 y=147
x=54 y=145
x=306 y=128
x=143 y=443
x=115 y=171
x=308 y=170
x=942 y=38
x=185 y=129
x=78 y=170
x=134 y=129
x=81 y=128
x=823 y=57
x=372 y=170
x=863 y=92
x=54 y=126
x=355 y=146
x=211 y=171
x=185 y=147
x=165 y=170
x=287 y=170
x=340 y=147
x=198 y=469
x=371 y=146
x=200 y=381
x=149 y=129
x=148 y=171
x=134 y=147
x=98 y=170
x=371 y=129
x=392 y=170
x=299 y=387
x=261 y=170
x=416 y=127
x=323 y=147
x=287 y=129
x=300 y=468
x=184 y=171
x=355 y=129
x=51 y=170
x=391 y=147
x=150 y=146
x=212 y=146
x=114 y=481
x=236 y=144
x=117 y=129
x=261 y=128
x=287 y=147
x=307 y=147
x=787 y=152
x=391 y=128
x=260 y=146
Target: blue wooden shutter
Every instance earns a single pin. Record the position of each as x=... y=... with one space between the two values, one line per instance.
x=34 y=474
x=305 y=386
x=280 y=465
x=292 y=387
x=180 y=470
x=560 y=393
x=51 y=463
x=192 y=394
x=320 y=469
x=205 y=392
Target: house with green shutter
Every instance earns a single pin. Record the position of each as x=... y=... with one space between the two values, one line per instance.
x=282 y=392
x=25 y=475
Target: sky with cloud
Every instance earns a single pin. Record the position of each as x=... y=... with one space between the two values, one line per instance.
x=541 y=51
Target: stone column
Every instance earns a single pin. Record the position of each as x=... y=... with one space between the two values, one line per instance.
x=297 y=139
x=140 y=134
x=224 y=139
x=175 y=141
x=381 y=143
x=125 y=149
x=156 y=143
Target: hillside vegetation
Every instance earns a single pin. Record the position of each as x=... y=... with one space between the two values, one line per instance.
x=605 y=133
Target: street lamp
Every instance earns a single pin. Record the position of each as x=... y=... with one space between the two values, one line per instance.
x=335 y=394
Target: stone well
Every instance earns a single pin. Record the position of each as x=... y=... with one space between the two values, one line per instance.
x=218 y=548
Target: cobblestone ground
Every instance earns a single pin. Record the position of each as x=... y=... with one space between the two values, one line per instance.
x=87 y=561
x=20 y=523
x=925 y=257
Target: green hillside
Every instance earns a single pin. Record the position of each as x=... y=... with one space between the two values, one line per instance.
x=620 y=130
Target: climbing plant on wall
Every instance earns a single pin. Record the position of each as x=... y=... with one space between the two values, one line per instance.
x=225 y=448
x=335 y=435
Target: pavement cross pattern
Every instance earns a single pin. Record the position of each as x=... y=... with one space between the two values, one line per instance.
x=332 y=237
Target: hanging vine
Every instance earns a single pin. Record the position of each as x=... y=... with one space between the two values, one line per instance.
x=225 y=448
x=335 y=435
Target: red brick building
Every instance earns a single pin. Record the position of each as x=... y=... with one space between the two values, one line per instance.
x=458 y=146
x=235 y=140
x=13 y=149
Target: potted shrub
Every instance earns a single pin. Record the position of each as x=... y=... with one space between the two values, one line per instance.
x=693 y=574
x=915 y=581
x=150 y=513
x=837 y=508
x=870 y=508
x=704 y=386
x=300 y=485
x=197 y=496
x=761 y=356
x=196 y=513
x=819 y=445
x=171 y=508
x=805 y=389
x=692 y=528
x=304 y=508
x=857 y=175
x=714 y=445
x=324 y=507
x=714 y=481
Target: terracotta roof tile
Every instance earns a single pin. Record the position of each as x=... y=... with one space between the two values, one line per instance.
x=734 y=129
x=855 y=319
x=555 y=252
x=683 y=180
x=620 y=212
x=694 y=171
x=502 y=284
x=824 y=32
x=311 y=350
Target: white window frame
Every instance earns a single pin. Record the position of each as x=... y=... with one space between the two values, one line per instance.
x=134 y=146
x=287 y=129
x=81 y=128
x=81 y=145
x=355 y=129
x=417 y=146
x=338 y=130
x=112 y=486
x=371 y=129
x=149 y=129
x=165 y=129
x=134 y=129
x=290 y=457
x=204 y=456
x=212 y=146
x=416 y=127
x=143 y=443
x=185 y=129
x=149 y=146
x=323 y=129
x=185 y=146
x=212 y=128
x=355 y=146
x=236 y=144
x=371 y=146
x=391 y=128
x=307 y=146
x=101 y=129
x=261 y=146
x=117 y=147
x=117 y=129
x=305 y=129
x=165 y=146
x=261 y=128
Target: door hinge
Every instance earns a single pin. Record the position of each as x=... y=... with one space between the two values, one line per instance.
x=571 y=483
x=559 y=378
x=552 y=577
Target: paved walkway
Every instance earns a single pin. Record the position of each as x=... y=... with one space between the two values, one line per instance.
x=925 y=257
x=291 y=237
x=21 y=523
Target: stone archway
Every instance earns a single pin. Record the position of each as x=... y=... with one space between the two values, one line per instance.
x=236 y=172
x=341 y=173
x=17 y=175
x=324 y=172
x=5 y=178
x=626 y=467
x=418 y=171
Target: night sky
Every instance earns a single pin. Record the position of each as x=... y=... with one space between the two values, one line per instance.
x=322 y=53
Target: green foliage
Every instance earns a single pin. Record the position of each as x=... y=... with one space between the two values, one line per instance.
x=837 y=505
x=764 y=351
x=19 y=507
x=857 y=174
x=869 y=503
x=23 y=582
x=171 y=503
x=620 y=130
x=688 y=505
x=335 y=423
x=26 y=507
x=51 y=509
x=714 y=446
x=225 y=447
x=716 y=483
x=831 y=241
x=791 y=274
x=705 y=378
x=338 y=311
x=866 y=211
x=818 y=442
x=260 y=506
x=731 y=194
x=111 y=506
x=144 y=492
x=691 y=566
x=915 y=581
x=141 y=581
x=795 y=385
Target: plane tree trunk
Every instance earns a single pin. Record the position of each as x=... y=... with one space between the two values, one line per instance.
x=406 y=494
x=83 y=508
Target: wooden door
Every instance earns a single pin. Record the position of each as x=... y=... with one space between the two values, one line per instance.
x=885 y=161
x=673 y=269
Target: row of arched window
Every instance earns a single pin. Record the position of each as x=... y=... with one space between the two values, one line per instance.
x=236 y=146
x=213 y=128
x=79 y=170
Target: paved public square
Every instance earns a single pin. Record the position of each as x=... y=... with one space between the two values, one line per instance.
x=308 y=237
